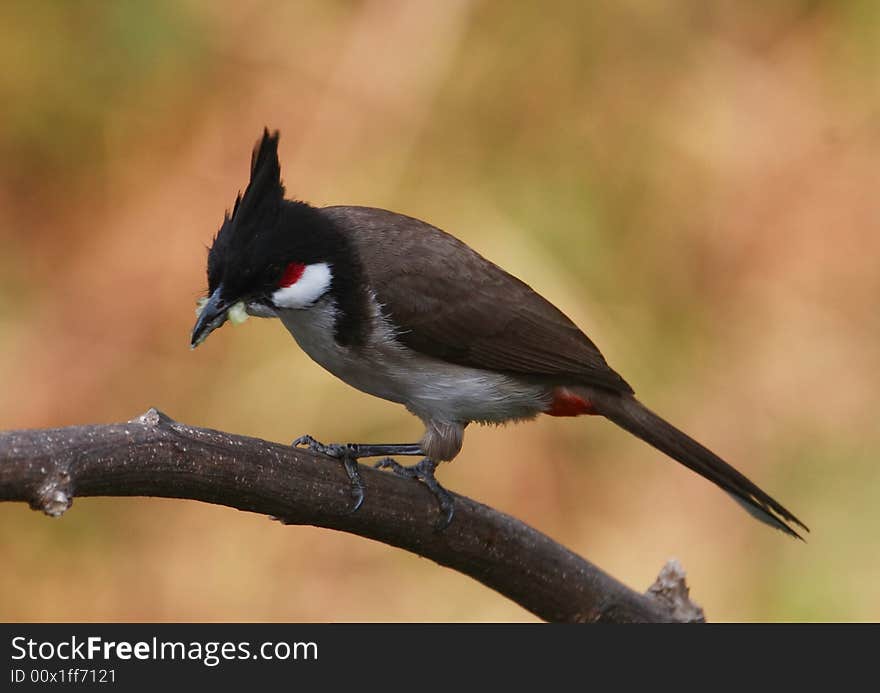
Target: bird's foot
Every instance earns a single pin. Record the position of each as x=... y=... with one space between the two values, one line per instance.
x=424 y=472
x=358 y=450
x=337 y=450
x=346 y=454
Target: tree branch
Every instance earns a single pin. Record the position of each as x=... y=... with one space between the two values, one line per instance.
x=153 y=455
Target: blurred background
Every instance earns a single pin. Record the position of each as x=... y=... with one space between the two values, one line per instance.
x=695 y=184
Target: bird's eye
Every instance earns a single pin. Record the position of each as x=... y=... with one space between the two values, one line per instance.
x=292 y=274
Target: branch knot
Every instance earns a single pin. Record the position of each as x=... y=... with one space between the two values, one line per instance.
x=54 y=496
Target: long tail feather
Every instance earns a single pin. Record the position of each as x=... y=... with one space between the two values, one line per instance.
x=630 y=414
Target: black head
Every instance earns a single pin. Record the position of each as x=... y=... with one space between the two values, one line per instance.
x=273 y=254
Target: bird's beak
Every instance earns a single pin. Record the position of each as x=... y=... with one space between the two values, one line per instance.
x=212 y=314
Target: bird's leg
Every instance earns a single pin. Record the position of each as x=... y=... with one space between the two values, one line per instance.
x=424 y=472
x=358 y=450
x=349 y=453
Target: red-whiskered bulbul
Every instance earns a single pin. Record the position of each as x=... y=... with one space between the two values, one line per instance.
x=404 y=311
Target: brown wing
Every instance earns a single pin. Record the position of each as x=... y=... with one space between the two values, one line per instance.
x=452 y=303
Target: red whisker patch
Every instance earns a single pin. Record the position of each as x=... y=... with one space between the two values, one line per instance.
x=292 y=274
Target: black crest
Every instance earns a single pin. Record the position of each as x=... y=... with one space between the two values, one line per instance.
x=265 y=233
x=234 y=258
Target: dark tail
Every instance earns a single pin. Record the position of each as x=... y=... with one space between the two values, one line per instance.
x=631 y=415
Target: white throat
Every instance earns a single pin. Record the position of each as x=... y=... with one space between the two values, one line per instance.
x=311 y=285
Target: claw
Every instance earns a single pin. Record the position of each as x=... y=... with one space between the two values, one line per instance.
x=345 y=454
x=357 y=487
x=337 y=450
x=308 y=441
x=424 y=472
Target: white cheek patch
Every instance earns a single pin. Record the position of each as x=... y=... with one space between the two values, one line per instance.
x=312 y=284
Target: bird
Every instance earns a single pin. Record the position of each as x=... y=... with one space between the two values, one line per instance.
x=404 y=311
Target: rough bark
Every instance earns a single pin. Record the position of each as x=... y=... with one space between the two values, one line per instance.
x=153 y=455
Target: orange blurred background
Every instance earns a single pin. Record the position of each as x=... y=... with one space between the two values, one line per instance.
x=695 y=184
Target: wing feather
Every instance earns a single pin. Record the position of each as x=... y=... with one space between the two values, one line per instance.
x=451 y=303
